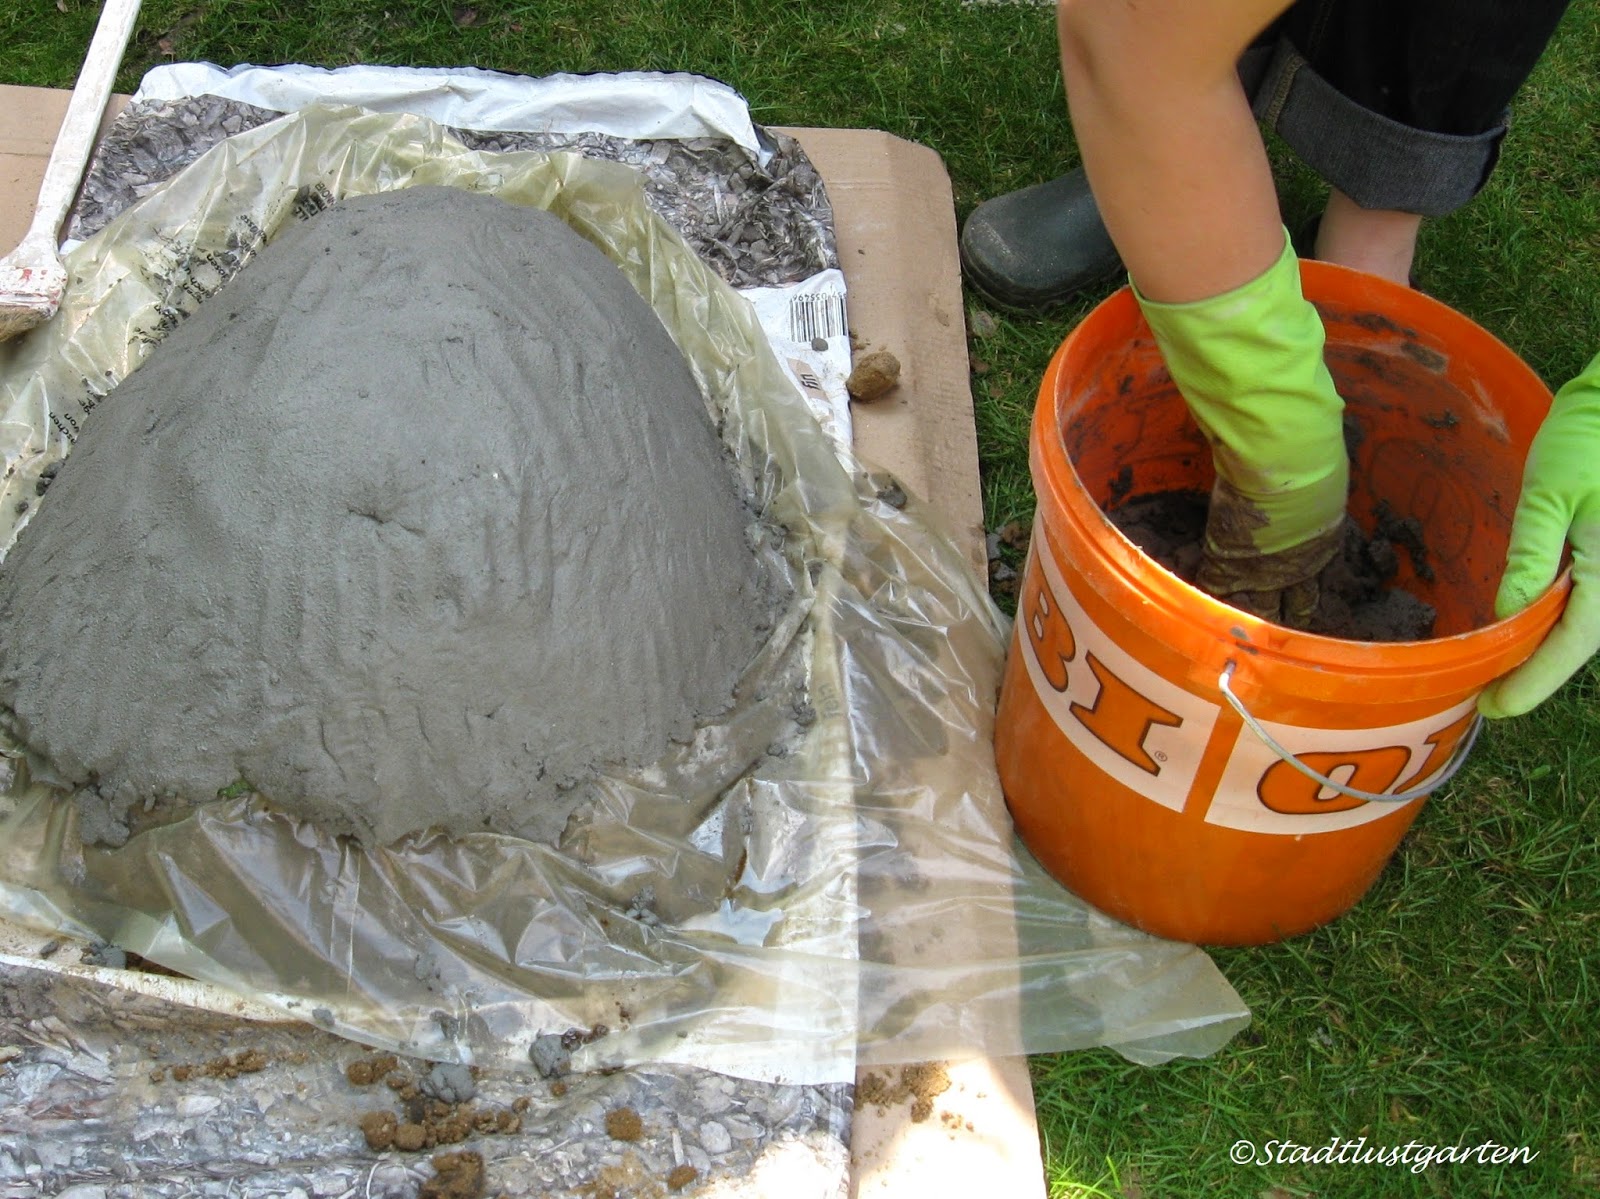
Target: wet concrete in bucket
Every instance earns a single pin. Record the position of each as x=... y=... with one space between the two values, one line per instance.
x=1356 y=600
x=418 y=523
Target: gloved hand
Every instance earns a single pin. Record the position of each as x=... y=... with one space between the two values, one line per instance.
x=1249 y=364
x=1559 y=506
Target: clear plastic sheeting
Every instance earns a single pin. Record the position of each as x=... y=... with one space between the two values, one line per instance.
x=853 y=895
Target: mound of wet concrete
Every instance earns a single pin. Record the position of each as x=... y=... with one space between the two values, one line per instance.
x=419 y=522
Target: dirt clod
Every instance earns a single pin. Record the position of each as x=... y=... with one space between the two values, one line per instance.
x=228 y=1065
x=624 y=1124
x=1407 y=533
x=378 y=1128
x=926 y=1082
x=1003 y=579
x=427 y=1120
x=410 y=1137
x=893 y=494
x=873 y=376
x=457 y=1175
x=921 y=1084
x=681 y=1176
x=1015 y=534
x=363 y=1072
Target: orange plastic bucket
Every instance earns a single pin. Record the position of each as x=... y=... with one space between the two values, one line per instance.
x=1132 y=773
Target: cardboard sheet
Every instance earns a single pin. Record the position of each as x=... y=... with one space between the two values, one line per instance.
x=895 y=221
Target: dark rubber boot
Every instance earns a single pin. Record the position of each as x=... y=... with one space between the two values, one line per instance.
x=1032 y=249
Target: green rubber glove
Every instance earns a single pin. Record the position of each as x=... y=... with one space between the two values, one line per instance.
x=1249 y=364
x=1559 y=506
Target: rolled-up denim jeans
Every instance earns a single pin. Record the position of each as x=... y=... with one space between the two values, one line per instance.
x=1399 y=104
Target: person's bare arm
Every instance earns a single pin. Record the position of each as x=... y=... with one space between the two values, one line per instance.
x=1181 y=177
x=1172 y=151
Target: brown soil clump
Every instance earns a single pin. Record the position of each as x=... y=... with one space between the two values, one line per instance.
x=1406 y=533
x=429 y=1123
x=403 y=1085
x=229 y=1065
x=411 y=1137
x=921 y=1084
x=379 y=1129
x=926 y=1083
x=954 y=1122
x=365 y=1071
x=1356 y=603
x=623 y=1124
x=457 y=1176
x=681 y=1176
x=873 y=1090
x=873 y=376
x=424 y=1122
x=632 y=1178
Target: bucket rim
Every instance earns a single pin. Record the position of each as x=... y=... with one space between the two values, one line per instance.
x=1059 y=488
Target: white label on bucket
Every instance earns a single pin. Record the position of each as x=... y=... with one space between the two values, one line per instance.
x=1140 y=729
x=1261 y=793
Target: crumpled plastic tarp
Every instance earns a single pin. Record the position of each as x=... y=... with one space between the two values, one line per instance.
x=853 y=897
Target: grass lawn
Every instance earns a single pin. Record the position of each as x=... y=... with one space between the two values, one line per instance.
x=1458 y=1003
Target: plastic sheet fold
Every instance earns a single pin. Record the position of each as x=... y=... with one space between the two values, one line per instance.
x=848 y=893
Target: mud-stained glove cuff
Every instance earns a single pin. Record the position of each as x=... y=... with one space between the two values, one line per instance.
x=1249 y=364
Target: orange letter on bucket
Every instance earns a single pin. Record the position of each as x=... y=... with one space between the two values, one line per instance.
x=1284 y=789
x=1443 y=745
x=1048 y=631
x=1122 y=718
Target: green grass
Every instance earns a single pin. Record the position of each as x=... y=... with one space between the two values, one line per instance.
x=1453 y=1006
x=1457 y=1003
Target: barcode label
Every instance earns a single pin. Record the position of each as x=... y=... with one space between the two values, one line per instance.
x=816 y=314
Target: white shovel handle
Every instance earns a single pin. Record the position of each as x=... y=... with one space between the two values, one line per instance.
x=64 y=171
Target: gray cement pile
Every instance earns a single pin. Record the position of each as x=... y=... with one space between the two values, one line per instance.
x=417 y=523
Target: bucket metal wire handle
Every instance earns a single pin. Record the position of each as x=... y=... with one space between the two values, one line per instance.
x=1440 y=779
